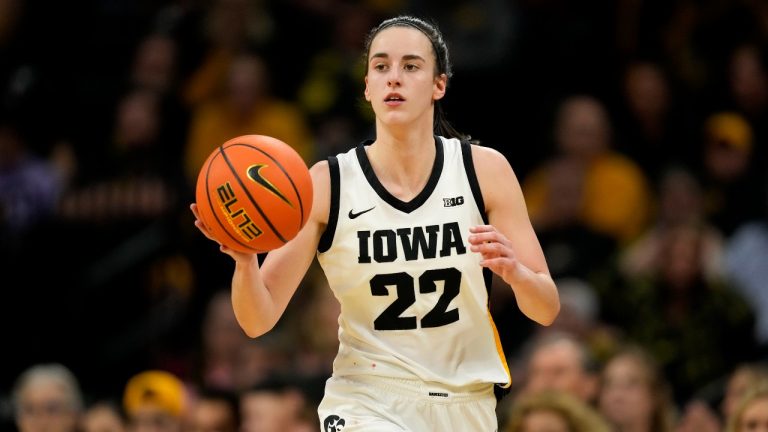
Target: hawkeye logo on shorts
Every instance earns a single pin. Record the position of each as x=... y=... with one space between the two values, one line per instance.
x=333 y=423
x=254 y=173
x=453 y=202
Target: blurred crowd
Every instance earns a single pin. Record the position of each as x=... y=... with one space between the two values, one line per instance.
x=638 y=130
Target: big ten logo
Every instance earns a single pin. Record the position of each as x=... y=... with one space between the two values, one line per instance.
x=236 y=215
x=453 y=202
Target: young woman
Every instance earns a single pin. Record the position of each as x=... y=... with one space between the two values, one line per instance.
x=751 y=412
x=407 y=228
x=554 y=411
x=635 y=396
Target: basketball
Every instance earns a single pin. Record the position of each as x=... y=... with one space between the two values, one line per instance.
x=254 y=193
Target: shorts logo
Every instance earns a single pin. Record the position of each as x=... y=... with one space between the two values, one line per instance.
x=333 y=423
x=453 y=202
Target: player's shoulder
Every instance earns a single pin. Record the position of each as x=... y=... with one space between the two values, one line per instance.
x=321 y=185
x=321 y=177
x=319 y=170
x=488 y=158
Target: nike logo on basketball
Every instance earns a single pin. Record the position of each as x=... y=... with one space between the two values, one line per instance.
x=353 y=215
x=254 y=173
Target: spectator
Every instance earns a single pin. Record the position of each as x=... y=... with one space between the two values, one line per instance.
x=740 y=380
x=634 y=394
x=214 y=411
x=616 y=198
x=572 y=247
x=47 y=398
x=562 y=362
x=135 y=180
x=553 y=411
x=103 y=416
x=680 y=203
x=329 y=93
x=276 y=405
x=747 y=73
x=247 y=106
x=652 y=129
x=230 y=361
x=155 y=401
x=751 y=414
x=697 y=328
x=730 y=188
x=227 y=28
x=701 y=413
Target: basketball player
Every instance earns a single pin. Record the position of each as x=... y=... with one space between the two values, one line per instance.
x=407 y=228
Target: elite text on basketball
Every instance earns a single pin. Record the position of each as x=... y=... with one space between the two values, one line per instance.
x=236 y=215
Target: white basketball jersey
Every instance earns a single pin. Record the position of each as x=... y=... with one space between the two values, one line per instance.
x=414 y=298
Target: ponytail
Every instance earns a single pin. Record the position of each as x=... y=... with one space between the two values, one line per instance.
x=444 y=128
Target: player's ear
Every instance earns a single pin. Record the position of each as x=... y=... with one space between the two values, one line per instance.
x=366 y=92
x=441 y=83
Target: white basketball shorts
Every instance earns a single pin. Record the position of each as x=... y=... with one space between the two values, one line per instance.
x=378 y=404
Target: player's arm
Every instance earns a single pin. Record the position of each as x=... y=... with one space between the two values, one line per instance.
x=509 y=245
x=261 y=295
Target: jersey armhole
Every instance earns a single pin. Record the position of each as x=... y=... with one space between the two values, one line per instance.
x=474 y=185
x=326 y=240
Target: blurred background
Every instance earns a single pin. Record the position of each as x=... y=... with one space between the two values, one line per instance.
x=638 y=129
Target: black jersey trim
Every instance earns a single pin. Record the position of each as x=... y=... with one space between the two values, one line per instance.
x=500 y=392
x=326 y=240
x=383 y=193
x=469 y=167
x=488 y=280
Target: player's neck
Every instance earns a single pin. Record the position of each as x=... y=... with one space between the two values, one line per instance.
x=403 y=163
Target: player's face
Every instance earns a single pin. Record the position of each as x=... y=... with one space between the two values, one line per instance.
x=400 y=82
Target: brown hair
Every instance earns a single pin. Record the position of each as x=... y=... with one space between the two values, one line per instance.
x=442 y=61
x=579 y=416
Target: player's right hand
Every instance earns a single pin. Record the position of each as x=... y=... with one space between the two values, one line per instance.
x=237 y=256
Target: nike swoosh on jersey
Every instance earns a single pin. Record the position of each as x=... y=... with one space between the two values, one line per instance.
x=353 y=215
x=254 y=173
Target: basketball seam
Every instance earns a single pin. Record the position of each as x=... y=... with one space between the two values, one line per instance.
x=287 y=175
x=248 y=194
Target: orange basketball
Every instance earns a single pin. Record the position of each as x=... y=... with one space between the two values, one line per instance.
x=254 y=193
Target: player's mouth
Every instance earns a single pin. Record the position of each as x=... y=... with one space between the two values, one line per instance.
x=394 y=99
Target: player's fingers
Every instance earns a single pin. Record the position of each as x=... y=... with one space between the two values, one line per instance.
x=484 y=237
x=494 y=249
x=496 y=265
x=204 y=229
x=482 y=228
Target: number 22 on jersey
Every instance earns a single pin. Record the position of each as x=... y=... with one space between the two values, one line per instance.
x=405 y=288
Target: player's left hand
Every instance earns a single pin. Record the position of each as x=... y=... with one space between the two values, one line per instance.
x=496 y=250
